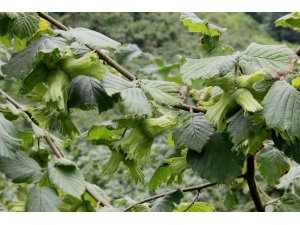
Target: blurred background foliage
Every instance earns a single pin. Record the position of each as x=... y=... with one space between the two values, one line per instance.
x=164 y=37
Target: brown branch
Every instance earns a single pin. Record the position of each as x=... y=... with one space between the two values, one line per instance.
x=250 y=177
x=57 y=152
x=193 y=188
x=113 y=63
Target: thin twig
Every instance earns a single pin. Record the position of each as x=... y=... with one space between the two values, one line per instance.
x=193 y=202
x=252 y=184
x=275 y=201
x=56 y=150
x=193 y=188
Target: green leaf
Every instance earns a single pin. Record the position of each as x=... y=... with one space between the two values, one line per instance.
x=196 y=207
x=23 y=62
x=195 y=133
x=206 y=68
x=290 y=203
x=230 y=200
x=292 y=150
x=133 y=98
x=272 y=59
x=127 y=53
x=65 y=175
x=92 y=39
x=291 y=20
x=160 y=176
x=86 y=92
x=195 y=24
x=21 y=169
x=162 y=91
x=9 y=142
x=167 y=203
x=217 y=162
x=42 y=199
x=25 y=25
x=240 y=127
x=273 y=164
x=281 y=109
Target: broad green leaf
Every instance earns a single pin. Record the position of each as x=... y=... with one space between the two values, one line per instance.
x=281 y=109
x=195 y=24
x=291 y=20
x=195 y=133
x=290 y=203
x=254 y=141
x=160 y=176
x=104 y=133
x=79 y=49
x=239 y=127
x=114 y=84
x=162 y=91
x=9 y=141
x=25 y=25
x=230 y=200
x=292 y=150
x=42 y=199
x=196 y=207
x=21 y=169
x=167 y=203
x=217 y=162
x=133 y=98
x=127 y=53
x=23 y=62
x=273 y=164
x=92 y=39
x=206 y=68
x=64 y=174
x=272 y=59
x=86 y=92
